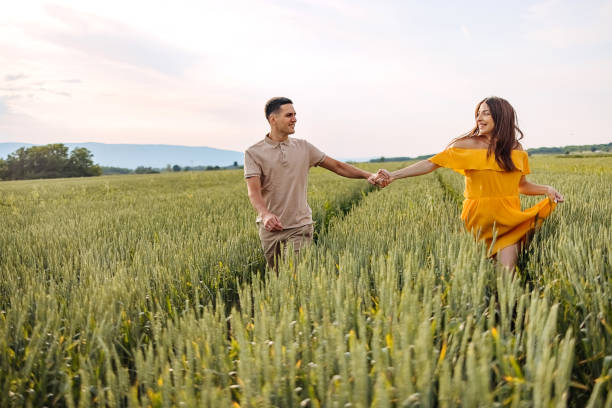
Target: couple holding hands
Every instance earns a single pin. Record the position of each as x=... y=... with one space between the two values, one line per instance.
x=489 y=156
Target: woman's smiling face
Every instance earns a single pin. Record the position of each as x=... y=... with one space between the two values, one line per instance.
x=484 y=120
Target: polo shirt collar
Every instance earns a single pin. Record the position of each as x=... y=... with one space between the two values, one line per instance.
x=275 y=143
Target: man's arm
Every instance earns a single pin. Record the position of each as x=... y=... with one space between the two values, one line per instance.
x=344 y=169
x=270 y=221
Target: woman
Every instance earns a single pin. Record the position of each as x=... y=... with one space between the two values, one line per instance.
x=494 y=165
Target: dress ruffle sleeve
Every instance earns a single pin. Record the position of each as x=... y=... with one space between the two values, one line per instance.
x=476 y=159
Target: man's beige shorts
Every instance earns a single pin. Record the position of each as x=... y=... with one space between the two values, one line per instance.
x=273 y=242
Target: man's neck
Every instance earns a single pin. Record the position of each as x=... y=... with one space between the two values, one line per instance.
x=278 y=137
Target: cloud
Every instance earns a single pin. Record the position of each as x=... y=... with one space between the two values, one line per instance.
x=29 y=87
x=12 y=96
x=61 y=93
x=3 y=108
x=21 y=90
x=112 y=41
x=15 y=77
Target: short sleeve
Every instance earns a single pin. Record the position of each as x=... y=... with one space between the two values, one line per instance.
x=315 y=156
x=251 y=168
x=449 y=159
x=525 y=169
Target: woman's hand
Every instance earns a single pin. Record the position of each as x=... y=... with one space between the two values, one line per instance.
x=527 y=188
x=554 y=195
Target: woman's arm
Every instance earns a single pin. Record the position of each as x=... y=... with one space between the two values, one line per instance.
x=416 y=169
x=384 y=178
x=527 y=188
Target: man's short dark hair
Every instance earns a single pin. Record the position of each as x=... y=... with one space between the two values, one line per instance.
x=274 y=104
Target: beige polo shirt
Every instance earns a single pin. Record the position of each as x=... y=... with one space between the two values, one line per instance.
x=283 y=171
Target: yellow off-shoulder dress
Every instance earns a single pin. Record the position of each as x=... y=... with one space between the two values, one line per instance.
x=492 y=207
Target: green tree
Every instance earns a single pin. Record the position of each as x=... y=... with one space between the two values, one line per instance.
x=81 y=164
x=145 y=170
x=49 y=161
x=3 y=169
x=37 y=162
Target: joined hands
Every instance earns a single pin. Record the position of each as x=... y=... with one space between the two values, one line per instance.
x=382 y=178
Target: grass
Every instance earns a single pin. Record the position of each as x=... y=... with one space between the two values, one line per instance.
x=150 y=291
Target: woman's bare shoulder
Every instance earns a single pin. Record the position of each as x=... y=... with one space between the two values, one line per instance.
x=468 y=143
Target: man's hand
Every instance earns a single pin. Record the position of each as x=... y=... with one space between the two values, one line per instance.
x=271 y=222
x=372 y=179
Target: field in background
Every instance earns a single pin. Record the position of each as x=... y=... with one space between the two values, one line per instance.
x=149 y=291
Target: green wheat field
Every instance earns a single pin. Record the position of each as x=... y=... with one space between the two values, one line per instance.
x=150 y=291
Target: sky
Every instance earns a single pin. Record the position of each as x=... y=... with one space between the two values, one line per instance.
x=368 y=79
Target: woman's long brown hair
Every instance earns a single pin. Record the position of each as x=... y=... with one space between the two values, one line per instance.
x=506 y=132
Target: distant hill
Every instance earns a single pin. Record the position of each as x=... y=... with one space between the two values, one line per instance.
x=156 y=156
x=132 y=156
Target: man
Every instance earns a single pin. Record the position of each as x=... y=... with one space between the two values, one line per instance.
x=276 y=173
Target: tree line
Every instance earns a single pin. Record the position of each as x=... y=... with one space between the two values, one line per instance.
x=168 y=169
x=49 y=161
x=594 y=148
x=55 y=161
